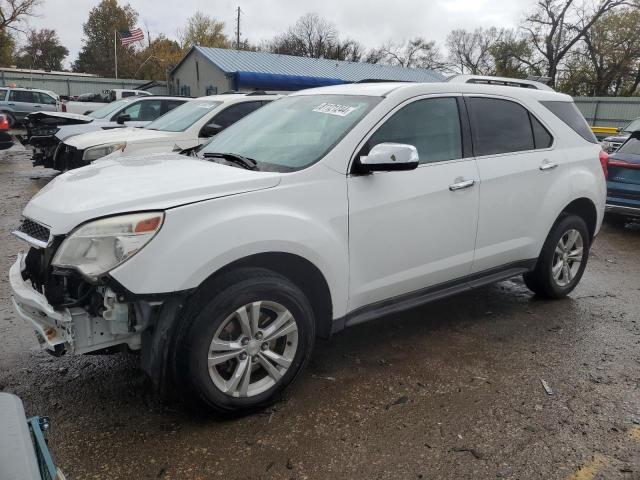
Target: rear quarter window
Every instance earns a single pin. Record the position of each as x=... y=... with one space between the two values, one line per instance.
x=571 y=116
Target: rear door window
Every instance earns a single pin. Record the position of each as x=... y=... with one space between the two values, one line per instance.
x=499 y=126
x=570 y=115
x=23 y=96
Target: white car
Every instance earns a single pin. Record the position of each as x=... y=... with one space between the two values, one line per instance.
x=45 y=130
x=322 y=210
x=187 y=126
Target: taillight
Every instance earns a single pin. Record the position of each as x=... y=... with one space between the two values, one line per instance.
x=4 y=123
x=604 y=161
x=63 y=107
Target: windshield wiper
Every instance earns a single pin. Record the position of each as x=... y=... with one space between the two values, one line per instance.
x=244 y=162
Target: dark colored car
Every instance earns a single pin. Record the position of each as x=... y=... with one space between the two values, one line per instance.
x=6 y=140
x=623 y=180
x=614 y=142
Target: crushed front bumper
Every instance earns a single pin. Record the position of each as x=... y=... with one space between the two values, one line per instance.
x=54 y=327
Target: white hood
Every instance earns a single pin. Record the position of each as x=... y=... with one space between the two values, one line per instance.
x=152 y=182
x=128 y=134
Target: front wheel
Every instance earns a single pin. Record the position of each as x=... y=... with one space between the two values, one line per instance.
x=244 y=338
x=562 y=260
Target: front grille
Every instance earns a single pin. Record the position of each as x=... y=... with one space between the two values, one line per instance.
x=35 y=230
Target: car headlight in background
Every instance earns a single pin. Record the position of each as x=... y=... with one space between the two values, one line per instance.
x=101 y=245
x=94 y=153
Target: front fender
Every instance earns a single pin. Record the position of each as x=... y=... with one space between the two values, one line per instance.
x=198 y=240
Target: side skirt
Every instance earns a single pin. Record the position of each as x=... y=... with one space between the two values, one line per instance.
x=430 y=294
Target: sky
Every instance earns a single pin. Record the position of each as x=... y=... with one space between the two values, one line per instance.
x=369 y=21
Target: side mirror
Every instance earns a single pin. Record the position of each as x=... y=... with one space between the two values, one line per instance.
x=123 y=117
x=210 y=130
x=387 y=157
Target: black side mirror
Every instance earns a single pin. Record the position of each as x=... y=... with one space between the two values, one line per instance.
x=210 y=130
x=123 y=117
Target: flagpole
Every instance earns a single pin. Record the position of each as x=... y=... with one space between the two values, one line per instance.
x=115 y=49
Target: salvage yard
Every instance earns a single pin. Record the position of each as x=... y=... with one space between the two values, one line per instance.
x=490 y=384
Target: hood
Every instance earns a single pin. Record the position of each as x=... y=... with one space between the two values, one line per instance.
x=127 y=134
x=58 y=118
x=130 y=184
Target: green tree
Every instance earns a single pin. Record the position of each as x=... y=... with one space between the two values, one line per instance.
x=204 y=31
x=161 y=55
x=97 y=55
x=7 y=47
x=513 y=56
x=42 y=51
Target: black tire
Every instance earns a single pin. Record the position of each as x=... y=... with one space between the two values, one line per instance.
x=204 y=315
x=540 y=280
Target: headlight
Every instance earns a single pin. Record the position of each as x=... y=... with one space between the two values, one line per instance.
x=94 y=153
x=99 y=246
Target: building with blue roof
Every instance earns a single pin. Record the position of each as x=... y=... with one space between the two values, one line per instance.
x=208 y=71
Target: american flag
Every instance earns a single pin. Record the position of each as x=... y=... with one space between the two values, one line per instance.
x=130 y=36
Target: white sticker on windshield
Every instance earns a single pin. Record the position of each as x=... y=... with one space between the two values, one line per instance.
x=334 y=109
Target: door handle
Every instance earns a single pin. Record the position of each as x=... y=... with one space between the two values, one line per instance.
x=548 y=166
x=461 y=185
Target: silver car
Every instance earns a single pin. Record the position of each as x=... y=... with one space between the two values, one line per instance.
x=17 y=103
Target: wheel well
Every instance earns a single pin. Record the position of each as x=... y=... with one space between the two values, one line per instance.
x=304 y=274
x=584 y=208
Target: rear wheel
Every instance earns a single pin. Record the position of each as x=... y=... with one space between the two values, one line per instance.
x=243 y=340
x=562 y=260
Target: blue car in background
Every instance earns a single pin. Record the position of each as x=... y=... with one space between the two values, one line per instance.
x=623 y=181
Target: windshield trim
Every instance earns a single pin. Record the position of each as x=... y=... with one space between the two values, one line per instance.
x=111 y=111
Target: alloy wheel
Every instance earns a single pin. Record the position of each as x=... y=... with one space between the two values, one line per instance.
x=252 y=349
x=567 y=257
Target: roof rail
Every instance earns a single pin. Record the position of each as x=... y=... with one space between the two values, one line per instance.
x=376 y=80
x=533 y=82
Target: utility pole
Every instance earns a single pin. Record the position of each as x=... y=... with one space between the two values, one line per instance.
x=238 y=31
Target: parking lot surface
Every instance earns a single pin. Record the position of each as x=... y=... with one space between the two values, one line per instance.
x=453 y=390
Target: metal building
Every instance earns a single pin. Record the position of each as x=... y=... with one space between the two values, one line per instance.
x=208 y=71
x=72 y=84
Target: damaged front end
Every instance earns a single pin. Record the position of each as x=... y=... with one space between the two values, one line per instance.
x=42 y=128
x=69 y=313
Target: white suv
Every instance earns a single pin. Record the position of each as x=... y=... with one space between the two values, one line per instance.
x=322 y=210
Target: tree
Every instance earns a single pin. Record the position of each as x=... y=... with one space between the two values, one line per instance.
x=42 y=51
x=15 y=12
x=204 y=31
x=7 y=47
x=470 y=52
x=513 y=56
x=417 y=53
x=97 y=55
x=555 y=26
x=314 y=37
x=161 y=55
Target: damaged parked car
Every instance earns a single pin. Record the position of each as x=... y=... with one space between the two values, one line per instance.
x=623 y=181
x=47 y=130
x=184 y=128
x=322 y=210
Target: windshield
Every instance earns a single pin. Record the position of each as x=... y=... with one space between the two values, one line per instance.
x=182 y=117
x=293 y=132
x=633 y=126
x=108 y=109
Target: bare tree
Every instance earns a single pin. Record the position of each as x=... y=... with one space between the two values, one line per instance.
x=311 y=36
x=555 y=26
x=470 y=52
x=14 y=12
x=416 y=52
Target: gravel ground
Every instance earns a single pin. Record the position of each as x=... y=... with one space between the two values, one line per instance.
x=449 y=391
